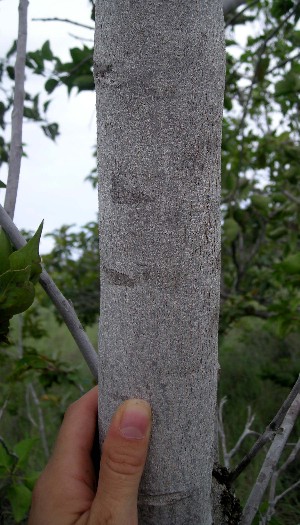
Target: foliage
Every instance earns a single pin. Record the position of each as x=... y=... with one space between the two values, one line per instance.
x=19 y=271
x=260 y=175
x=35 y=109
x=74 y=265
x=39 y=384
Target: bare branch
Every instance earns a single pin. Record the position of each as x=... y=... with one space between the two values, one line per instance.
x=15 y=153
x=222 y=432
x=56 y=19
x=246 y=432
x=268 y=433
x=273 y=499
x=290 y=458
x=270 y=463
x=285 y=492
x=62 y=304
x=227 y=456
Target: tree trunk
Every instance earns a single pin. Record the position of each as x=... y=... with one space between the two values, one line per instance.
x=159 y=73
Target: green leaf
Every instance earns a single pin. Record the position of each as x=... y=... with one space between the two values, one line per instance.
x=16 y=292
x=29 y=255
x=261 y=202
x=51 y=131
x=46 y=51
x=12 y=50
x=6 y=459
x=262 y=68
x=31 y=480
x=280 y=7
x=5 y=251
x=84 y=82
x=51 y=84
x=31 y=113
x=291 y=264
x=22 y=449
x=19 y=497
x=231 y=229
x=11 y=72
x=2 y=185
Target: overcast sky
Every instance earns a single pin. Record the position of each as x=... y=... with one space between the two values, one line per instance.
x=52 y=183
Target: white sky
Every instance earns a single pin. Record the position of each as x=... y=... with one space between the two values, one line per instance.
x=52 y=183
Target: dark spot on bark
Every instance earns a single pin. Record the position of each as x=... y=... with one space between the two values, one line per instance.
x=122 y=194
x=118 y=278
x=101 y=70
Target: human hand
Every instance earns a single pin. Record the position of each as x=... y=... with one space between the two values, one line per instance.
x=67 y=491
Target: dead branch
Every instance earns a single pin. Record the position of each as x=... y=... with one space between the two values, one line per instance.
x=268 y=433
x=273 y=499
x=270 y=463
x=227 y=456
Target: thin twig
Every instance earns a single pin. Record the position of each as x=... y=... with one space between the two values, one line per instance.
x=222 y=432
x=246 y=432
x=291 y=197
x=237 y=15
x=40 y=414
x=282 y=63
x=62 y=304
x=67 y=20
x=268 y=433
x=227 y=456
x=28 y=411
x=273 y=499
x=82 y=39
x=285 y=492
x=2 y=409
x=16 y=150
x=270 y=462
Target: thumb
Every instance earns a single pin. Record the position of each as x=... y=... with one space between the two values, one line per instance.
x=123 y=459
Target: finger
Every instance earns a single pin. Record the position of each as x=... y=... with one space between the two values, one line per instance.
x=123 y=459
x=73 y=448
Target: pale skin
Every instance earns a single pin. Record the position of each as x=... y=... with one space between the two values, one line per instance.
x=67 y=493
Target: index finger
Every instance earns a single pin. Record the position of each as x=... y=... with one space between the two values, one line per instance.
x=75 y=440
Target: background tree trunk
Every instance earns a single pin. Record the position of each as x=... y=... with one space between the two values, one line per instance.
x=159 y=73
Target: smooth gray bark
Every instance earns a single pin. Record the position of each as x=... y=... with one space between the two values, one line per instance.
x=159 y=73
x=15 y=153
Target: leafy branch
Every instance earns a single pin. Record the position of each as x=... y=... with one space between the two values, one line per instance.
x=64 y=307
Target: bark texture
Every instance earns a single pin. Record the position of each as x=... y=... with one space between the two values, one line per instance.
x=159 y=73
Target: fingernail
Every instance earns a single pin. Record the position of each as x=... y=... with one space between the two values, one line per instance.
x=135 y=420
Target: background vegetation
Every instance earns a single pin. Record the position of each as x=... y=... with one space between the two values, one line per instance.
x=42 y=371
